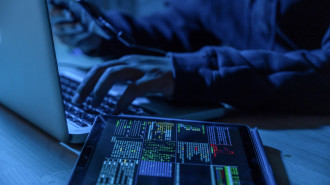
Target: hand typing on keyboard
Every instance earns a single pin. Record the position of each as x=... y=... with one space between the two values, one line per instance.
x=144 y=74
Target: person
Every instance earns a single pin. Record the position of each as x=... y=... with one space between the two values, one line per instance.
x=254 y=54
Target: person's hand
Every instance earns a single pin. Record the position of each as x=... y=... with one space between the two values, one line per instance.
x=145 y=74
x=74 y=26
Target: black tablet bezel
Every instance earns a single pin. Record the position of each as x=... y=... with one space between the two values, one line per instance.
x=78 y=173
x=251 y=153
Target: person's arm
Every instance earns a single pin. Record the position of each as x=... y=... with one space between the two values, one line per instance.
x=143 y=74
x=297 y=80
x=177 y=29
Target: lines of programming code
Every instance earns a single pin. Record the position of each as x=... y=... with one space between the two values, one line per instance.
x=161 y=152
x=185 y=127
x=192 y=133
x=156 y=169
x=117 y=171
x=219 y=135
x=221 y=149
x=130 y=128
x=225 y=175
x=161 y=131
x=189 y=152
x=126 y=149
x=158 y=151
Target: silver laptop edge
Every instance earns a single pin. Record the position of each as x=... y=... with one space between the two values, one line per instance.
x=28 y=70
x=29 y=78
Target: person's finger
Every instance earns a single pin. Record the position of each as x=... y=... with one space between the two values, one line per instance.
x=59 y=15
x=111 y=76
x=137 y=89
x=87 y=85
x=68 y=28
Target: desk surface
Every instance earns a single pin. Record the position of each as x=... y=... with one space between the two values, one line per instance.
x=297 y=148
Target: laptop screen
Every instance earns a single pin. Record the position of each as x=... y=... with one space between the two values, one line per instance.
x=28 y=72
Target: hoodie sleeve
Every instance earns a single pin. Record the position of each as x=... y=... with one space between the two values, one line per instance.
x=176 y=29
x=297 y=80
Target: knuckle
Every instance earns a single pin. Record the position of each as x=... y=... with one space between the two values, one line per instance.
x=113 y=70
x=97 y=68
x=110 y=70
x=94 y=68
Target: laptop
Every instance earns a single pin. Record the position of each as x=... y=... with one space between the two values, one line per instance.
x=34 y=88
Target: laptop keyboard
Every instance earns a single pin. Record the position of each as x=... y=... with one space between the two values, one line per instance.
x=84 y=113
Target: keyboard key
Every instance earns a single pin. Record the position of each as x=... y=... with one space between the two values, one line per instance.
x=84 y=114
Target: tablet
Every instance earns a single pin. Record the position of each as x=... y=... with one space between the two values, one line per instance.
x=143 y=150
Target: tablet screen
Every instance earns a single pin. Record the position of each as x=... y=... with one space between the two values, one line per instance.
x=140 y=151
